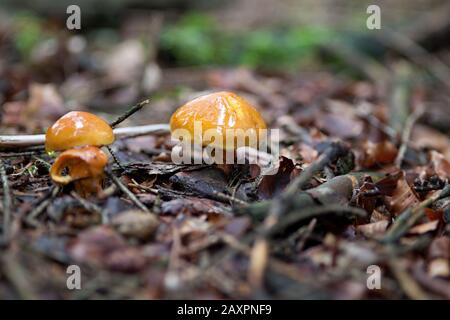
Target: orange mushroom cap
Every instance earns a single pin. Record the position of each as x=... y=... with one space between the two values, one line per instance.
x=76 y=129
x=84 y=167
x=81 y=163
x=218 y=111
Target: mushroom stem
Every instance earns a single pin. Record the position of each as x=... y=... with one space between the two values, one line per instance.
x=22 y=141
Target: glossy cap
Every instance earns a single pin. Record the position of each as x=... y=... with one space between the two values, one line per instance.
x=80 y=163
x=217 y=111
x=76 y=129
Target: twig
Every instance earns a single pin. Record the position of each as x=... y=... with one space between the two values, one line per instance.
x=225 y=197
x=260 y=250
x=125 y=190
x=21 y=154
x=327 y=157
x=273 y=263
x=316 y=211
x=129 y=113
x=6 y=203
x=412 y=119
x=45 y=163
x=89 y=206
x=145 y=188
x=18 y=277
x=25 y=141
x=31 y=218
x=364 y=111
x=116 y=160
x=306 y=235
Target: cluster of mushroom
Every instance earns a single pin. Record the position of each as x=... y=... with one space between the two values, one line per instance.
x=79 y=135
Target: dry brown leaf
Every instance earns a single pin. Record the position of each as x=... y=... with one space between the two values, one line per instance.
x=424 y=227
x=373 y=229
x=403 y=197
x=272 y=185
x=440 y=165
x=378 y=153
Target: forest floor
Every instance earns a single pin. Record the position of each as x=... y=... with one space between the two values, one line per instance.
x=362 y=190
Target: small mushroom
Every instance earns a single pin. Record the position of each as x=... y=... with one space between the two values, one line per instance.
x=76 y=129
x=223 y=122
x=83 y=166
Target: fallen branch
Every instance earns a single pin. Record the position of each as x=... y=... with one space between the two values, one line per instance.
x=125 y=190
x=24 y=141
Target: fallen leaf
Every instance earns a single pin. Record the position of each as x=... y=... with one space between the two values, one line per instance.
x=374 y=229
x=440 y=164
x=377 y=153
x=403 y=197
x=424 y=227
x=272 y=185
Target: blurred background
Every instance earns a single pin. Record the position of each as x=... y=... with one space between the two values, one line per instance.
x=130 y=49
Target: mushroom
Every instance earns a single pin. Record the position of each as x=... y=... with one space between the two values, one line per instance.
x=83 y=166
x=76 y=129
x=220 y=128
x=79 y=134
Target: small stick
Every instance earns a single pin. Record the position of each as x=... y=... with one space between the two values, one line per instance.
x=306 y=235
x=31 y=218
x=6 y=203
x=313 y=212
x=224 y=197
x=21 y=154
x=89 y=206
x=364 y=112
x=261 y=245
x=25 y=141
x=125 y=190
x=412 y=119
x=328 y=156
x=113 y=155
x=129 y=113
